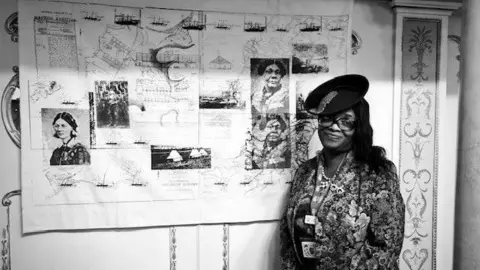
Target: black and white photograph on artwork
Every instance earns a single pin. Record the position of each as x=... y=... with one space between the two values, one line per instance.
x=222 y=94
x=301 y=92
x=111 y=98
x=268 y=146
x=66 y=136
x=310 y=58
x=269 y=85
x=170 y=158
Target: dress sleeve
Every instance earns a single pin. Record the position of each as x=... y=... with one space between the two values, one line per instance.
x=82 y=155
x=54 y=158
x=288 y=255
x=386 y=229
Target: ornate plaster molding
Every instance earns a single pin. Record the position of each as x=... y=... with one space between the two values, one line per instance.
x=11 y=26
x=357 y=42
x=10 y=114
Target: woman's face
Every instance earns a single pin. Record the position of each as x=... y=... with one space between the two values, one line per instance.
x=273 y=130
x=272 y=76
x=62 y=129
x=336 y=132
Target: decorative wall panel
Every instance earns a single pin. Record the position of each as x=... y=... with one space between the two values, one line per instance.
x=419 y=138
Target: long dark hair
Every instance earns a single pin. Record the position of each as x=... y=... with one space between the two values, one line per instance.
x=363 y=148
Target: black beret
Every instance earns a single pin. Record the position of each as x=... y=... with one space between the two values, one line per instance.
x=337 y=94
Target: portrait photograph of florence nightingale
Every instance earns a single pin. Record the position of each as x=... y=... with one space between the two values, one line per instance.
x=68 y=143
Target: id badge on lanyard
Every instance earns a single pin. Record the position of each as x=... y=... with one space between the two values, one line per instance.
x=310 y=246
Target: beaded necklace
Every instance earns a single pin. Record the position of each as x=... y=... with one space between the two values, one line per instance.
x=322 y=170
x=322 y=187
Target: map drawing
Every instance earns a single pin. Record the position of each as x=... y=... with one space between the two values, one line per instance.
x=155 y=110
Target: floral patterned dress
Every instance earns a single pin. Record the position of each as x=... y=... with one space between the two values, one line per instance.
x=360 y=221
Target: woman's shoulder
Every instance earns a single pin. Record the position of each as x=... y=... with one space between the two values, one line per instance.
x=303 y=173
x=79 y=147
x=307 y=166
x=383 y=176
x=387 y=169
x=310 y=163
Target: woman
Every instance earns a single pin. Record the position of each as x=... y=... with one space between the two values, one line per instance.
x=71 y=152
x=273 y=151
x=345 y=209
x=273 y=97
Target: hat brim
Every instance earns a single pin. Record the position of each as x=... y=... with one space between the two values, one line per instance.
x=343 y=92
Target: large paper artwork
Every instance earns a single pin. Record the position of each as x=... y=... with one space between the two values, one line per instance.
x=146 y=116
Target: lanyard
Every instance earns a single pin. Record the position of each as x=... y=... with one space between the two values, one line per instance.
x=322 y=186
x=321 y=190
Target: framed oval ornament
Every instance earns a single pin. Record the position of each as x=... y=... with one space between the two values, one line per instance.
x=11 y=107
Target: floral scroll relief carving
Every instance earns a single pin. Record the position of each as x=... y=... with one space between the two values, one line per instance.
x=6 y=258
x=357 y=42
x=420 y=42
x=457 y=40
x=11 y=26
x=10 y=107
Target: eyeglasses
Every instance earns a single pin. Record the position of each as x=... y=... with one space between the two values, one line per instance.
x=345 y=124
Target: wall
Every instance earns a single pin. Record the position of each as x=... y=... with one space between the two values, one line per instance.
x=249 y=246
x=445 y=254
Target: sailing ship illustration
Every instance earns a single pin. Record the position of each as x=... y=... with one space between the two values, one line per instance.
x=69 y=102
x=160 y=21
x=220 y=184
x=93 y=16
x=102 y=185
x=66 y=184
x=140 y=141
x=281 y=28
x=337 y=28
x=309 y=27
x=134 y=172
x=111 y=143
x=251 y=26
x=222 y=25
x=125 y=19
x=197 y=23
x=103 y=182
x=246 y=182
x=138 y=184
x=112 y=139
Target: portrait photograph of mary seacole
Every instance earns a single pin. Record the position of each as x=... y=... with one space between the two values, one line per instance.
x=270 y=80
x=66 y=136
